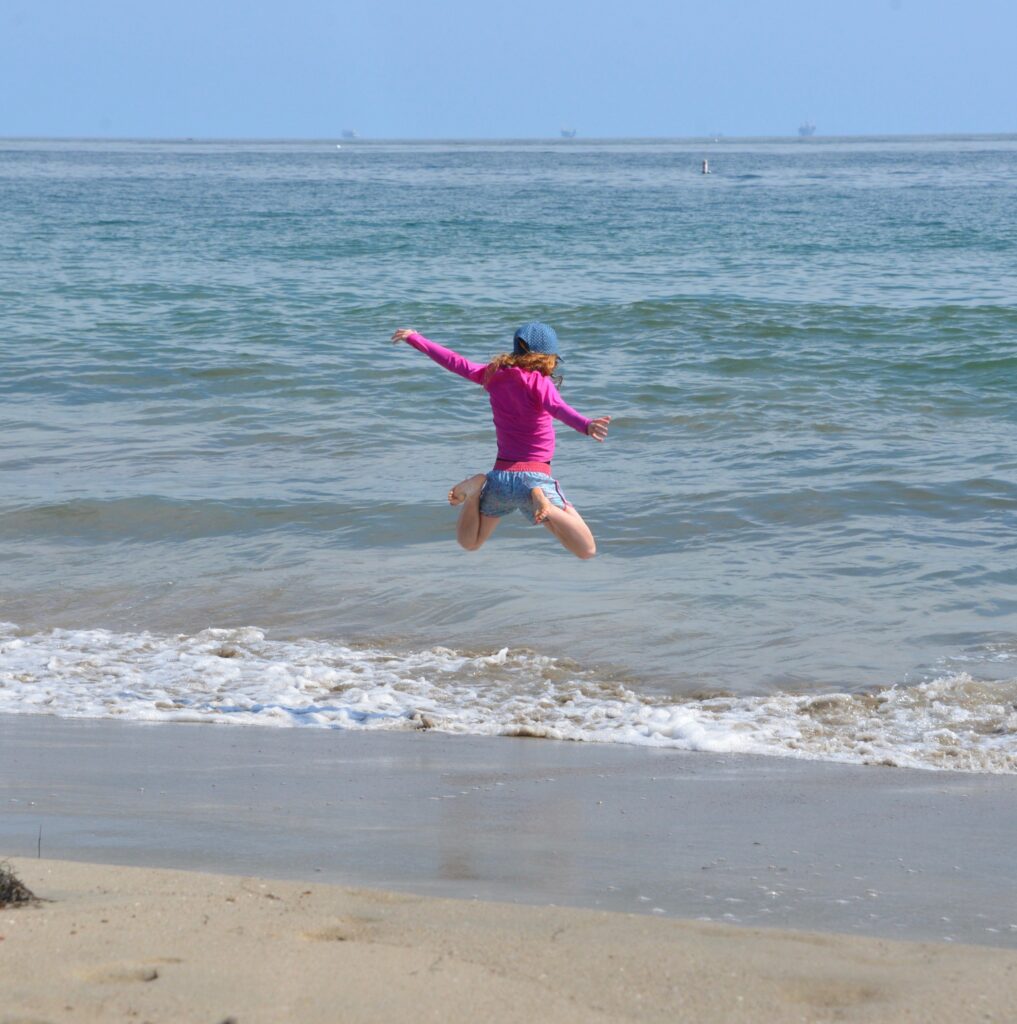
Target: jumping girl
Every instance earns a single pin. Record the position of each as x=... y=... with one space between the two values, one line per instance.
x=524 y=396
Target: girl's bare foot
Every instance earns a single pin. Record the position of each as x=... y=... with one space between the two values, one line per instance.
x=466 y=488
x=541 y=506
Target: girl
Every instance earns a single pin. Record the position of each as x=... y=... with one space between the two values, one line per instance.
x=524 y=397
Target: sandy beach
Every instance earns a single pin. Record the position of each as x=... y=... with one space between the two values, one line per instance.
x=319 y=866
x=754 y=841
x=154 y=945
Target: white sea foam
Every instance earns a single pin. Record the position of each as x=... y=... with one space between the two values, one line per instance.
x=240 y=676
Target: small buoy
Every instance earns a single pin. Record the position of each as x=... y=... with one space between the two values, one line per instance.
x=706 y=167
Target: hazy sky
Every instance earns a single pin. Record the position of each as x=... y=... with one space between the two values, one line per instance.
x=470 y=68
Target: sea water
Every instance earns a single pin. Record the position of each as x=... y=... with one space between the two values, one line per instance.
x=222 y=491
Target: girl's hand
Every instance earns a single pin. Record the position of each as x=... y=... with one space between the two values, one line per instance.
x=402 y=334
x=598 y=428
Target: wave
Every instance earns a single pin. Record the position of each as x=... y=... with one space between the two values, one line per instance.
x=159 y=519
x=242 y=677
x=711 y=513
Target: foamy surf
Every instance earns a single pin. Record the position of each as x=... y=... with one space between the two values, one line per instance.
x=242 y=677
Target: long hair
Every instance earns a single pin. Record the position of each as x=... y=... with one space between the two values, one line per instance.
x=539 y=361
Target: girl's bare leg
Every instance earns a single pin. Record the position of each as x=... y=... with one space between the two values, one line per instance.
x=472 y=528
x=566 y=524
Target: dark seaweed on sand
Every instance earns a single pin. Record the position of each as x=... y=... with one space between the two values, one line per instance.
x=12 y=889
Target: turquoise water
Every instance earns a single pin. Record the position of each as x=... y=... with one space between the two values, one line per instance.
x=810 y=357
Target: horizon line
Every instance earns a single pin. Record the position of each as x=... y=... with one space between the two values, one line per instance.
x=340 y=140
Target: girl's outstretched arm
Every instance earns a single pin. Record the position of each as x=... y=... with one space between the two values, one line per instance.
x=551 y=400
x=441 y=355
x=598 y=428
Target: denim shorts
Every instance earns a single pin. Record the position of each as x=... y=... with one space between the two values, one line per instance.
x=506 y=490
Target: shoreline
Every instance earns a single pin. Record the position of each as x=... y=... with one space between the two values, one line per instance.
x=170 y=946
x=739 y=839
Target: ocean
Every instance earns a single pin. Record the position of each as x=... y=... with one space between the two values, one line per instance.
x=222 y=491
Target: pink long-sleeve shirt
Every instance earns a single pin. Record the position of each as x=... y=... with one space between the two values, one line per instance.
x=523 y=403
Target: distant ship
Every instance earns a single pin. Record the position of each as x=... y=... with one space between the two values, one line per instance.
x=349 y=133
x=806 y=129
x=568 y=133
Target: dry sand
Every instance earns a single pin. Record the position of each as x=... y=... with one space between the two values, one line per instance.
x=138 y=944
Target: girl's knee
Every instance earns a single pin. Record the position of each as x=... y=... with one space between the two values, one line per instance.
x=582 y=547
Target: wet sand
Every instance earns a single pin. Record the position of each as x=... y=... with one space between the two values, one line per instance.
x=411 y=818
x=744 y=840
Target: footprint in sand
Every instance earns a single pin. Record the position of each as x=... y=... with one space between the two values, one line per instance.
x=334 y=933
x=107 y=974
x=344 y=929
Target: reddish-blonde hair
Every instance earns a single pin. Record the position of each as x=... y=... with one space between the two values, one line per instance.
x=539 y=361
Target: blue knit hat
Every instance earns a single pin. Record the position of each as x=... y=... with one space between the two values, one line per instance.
x=536 y=337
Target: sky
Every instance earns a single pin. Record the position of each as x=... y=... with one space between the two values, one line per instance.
x=525 y=69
